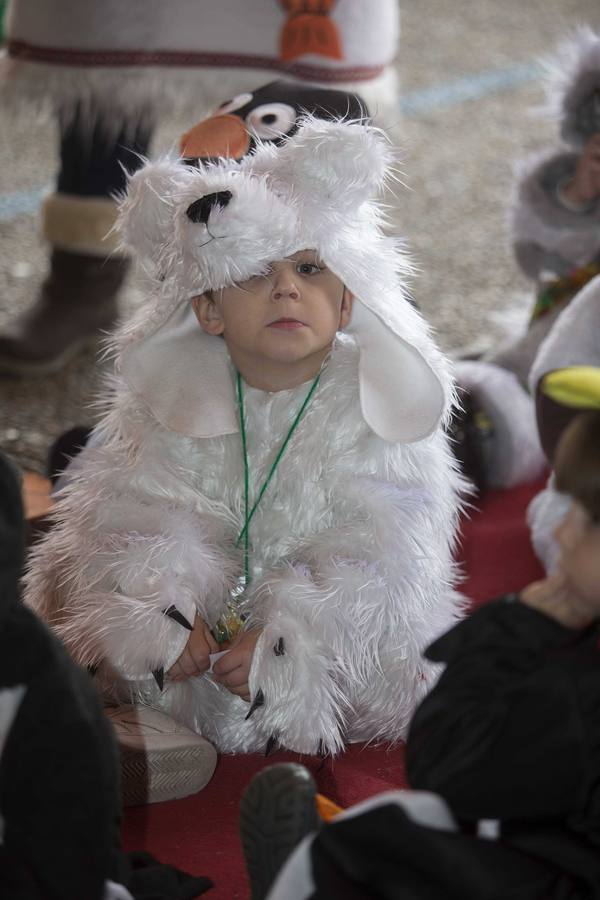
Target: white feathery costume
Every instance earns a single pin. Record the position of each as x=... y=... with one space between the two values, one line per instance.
x=351 y=546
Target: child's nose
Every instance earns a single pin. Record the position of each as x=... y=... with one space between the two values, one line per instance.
x=284 y=287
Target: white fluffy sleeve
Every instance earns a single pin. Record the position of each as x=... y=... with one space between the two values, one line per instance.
x=346 y=619
x=130 y=562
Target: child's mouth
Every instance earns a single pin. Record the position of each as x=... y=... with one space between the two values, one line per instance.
x=286 y=324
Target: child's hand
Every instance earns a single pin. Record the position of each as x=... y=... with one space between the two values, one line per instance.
x=584 y=187
x=232 y=670
x=195 y=658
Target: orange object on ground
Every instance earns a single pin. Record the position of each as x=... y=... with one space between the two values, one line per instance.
x=326 y=808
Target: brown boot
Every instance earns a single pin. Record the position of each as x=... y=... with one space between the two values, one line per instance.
x=76 y=305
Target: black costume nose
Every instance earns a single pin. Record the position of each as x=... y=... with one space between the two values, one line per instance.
x=200 y=210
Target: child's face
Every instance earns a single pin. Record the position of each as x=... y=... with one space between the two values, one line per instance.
x=578 y=537
x=291 y=314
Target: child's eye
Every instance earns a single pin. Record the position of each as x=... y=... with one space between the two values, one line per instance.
x=306 y=268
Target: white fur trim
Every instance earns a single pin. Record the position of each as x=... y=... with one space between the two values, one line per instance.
x=117 y=97
x=544 y=514
x=80 y=224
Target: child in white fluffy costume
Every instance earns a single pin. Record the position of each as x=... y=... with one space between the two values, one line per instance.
x=346 y=561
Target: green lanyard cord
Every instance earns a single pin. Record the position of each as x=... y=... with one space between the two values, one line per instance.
x=248 y=514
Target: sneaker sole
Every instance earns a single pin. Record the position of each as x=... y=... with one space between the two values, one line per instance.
x=165 y=774
x=278 y=809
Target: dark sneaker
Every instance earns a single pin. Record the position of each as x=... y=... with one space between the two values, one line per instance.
x=278 y=809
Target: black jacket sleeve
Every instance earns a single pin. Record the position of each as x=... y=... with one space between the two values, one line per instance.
x=59 y=789
x=501 y=734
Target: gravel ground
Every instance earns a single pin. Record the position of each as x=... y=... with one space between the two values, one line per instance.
x=459 y=137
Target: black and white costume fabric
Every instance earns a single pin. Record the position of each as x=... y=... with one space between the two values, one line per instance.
x=352 y=544
x=505 y=802
x=59 y=787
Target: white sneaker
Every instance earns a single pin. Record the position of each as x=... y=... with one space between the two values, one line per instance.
x=160 y=759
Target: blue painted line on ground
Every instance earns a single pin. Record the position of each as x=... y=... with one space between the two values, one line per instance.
x=21 y=203
x=415 y=103
x=473 y=87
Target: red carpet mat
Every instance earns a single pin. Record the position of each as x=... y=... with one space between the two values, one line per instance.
x=199 y=833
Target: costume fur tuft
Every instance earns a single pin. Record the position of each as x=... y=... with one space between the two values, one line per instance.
x=572 y=85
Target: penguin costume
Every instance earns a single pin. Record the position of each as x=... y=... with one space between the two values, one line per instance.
x=270 y=113
x=347 y=566
x=59 y=787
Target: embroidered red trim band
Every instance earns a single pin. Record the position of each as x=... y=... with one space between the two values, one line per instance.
x=173 y=58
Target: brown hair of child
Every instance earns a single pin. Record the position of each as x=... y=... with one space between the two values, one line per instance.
x=577 y=462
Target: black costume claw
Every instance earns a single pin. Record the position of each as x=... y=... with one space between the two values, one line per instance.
x=173 y=613
x=159 y=677
x=259 y=700
x=279 y=648
x=271 y=745
x=321 y=751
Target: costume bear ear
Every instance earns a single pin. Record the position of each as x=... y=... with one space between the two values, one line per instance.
x=147 y=211
x=337 y=165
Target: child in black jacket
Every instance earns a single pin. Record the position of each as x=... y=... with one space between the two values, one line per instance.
x=503 y=755
x=59 y=785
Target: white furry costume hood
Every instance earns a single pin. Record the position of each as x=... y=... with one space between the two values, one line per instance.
x=210 y=227
x=352 y=544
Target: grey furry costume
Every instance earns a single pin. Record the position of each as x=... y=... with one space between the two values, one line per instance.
x=551 y=242
x=352 y=544
x=549 y=239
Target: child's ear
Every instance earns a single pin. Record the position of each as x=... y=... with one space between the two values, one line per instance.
x=346 y=309
x=208 y=314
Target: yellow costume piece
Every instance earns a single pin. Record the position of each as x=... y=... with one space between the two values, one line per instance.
x=577 y=386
